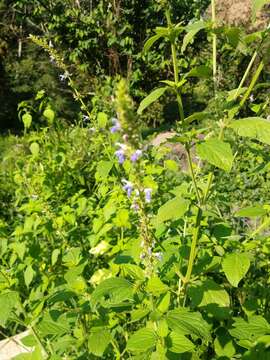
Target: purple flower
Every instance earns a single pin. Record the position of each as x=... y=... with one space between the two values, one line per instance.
x=148 y=194
x=120 y=154
x=135 y=207
x=116 y=126
x=128 y=187
x=136 y=155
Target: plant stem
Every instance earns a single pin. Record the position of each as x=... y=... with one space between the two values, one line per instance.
x=195 y=237
x=252 y=84
x=214 y=55
x=175 y=70
x=192 y=175
x=245 y=75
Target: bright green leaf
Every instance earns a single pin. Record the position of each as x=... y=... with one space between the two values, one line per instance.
x=235 y=267
x=98 y=341
x=152 y=97
x=251 y=211
x=179 y=343
x=142 y=340
x=173 y=209
x=28 y=275
x=217 y=153
x=192 y=30
x=253 y=127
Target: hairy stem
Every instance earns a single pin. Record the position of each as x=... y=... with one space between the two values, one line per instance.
x=252 y=83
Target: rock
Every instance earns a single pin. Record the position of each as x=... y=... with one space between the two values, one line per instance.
x=239 y=13
x=13 y=346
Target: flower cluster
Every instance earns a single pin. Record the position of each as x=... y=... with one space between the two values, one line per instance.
x=130 y=189
x=148 y=253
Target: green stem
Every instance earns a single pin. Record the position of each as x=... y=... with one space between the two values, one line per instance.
x=252 y=84
x=194 y=242
x=175 y=70
x=193 y=175
x=214 y=45
x=245 y=75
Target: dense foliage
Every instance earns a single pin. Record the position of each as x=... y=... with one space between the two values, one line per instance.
x=118 y=244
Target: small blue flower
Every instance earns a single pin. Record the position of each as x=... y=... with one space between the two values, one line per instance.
x=116 y=126
x=148 y=194
x=120 y=154
x=136 y=155
x=128 y=187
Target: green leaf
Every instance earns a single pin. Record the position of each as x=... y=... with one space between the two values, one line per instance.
x=251 y=211
x=255 y=327
x=179 y=344
x=49 y=115
x=253 y=127
x=112 y=292
x=223 y=344
x=99 y=340
x=35 y=355
x=27 y=120
x=34 y=148
x=173 y=209
x=192 y=30
x=103 y=169
x=212 y=297
x=51 y=326
x=164 y=303
x=150 y=42
x=200 y=72
x=217 y=153
x=102 y=120
x=55 y=254
x=134 y=271
x=142 y=340
x=28 y=275
x=152 y=97
x=187 y=322
x=257 y=6
x=156 y=287
x=72 y=257
x=8 y=301
x=235 y=267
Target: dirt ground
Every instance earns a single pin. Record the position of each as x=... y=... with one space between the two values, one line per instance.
x=239 y=13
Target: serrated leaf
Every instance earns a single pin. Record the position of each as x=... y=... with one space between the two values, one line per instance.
x=217 y=153
x=253 y=127
x=255 y=327
x=173 y=209
x=235 y=267
x=211 y=296
x=188 y=323
x=251 y=211
x=98 y=341
x=152 y=97
x=142 y=340
x=192 y=30
x=112 y=292
x=179 y=343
